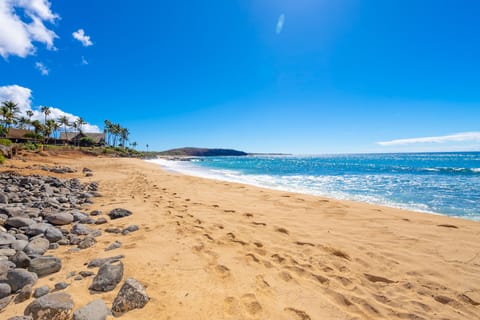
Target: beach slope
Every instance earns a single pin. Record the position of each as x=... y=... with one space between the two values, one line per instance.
x=217 y=250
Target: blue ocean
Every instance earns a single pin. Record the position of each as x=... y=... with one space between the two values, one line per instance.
x=443 y=183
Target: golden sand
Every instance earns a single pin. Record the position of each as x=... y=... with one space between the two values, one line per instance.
x=209 y=249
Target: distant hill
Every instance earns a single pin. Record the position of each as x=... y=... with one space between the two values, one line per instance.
x=202 y=152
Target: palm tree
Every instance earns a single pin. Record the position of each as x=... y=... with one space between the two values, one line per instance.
x=124 y=136
x=147 y=147
x=23 y=122
x=37 y=127
x=9 y=111
x=49 y=128
x=29 y=115
x=78 y=123
x=63 y=120
x=46 y=111
x=134 y=144
x=107 y=130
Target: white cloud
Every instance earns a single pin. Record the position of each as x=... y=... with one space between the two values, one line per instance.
x=42 y=68
x=23 y=97
x=17 y=35
x=280 y=23
x=84 y=61
x=457 y=137
x=82 y=37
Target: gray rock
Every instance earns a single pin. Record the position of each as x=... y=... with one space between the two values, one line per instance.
x=101 y=220
x=21 y=318
x=95 y=263
x=20 y=236
x=37 y=246
x=19 y=245
x=87 y=242
x=80 y=217
x=24 y=294
x=131 y=296
x=53 y=246
x=95 y=213
x=18 y=222
x=19 y=278
x=85 y=274
x=37 y=228
x=81 y=229
x=107 y=278
x=20 y=259
x=5 y=290
x=7 y=252
x=117 y=244
x=119 y=213
x=53 y=234
x=41 y=291
x=3 y=197
x=113 y=230
x=6 y=239
x=60 y=218
x=95 y=310
x=5 y=302
x=43 y=266
x=60 y=286
x=53 y=306
x=6 y=265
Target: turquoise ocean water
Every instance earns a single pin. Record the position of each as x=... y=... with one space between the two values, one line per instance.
x=444 y=183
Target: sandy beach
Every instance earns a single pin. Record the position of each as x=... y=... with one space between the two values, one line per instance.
x=209 y=249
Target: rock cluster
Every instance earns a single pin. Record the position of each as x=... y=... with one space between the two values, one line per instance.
x=38 y=214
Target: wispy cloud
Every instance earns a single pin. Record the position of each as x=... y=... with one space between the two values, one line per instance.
x=457 y=137
x=19 y=32
x=84 y=61
x=42 y=68
x=280 y=23
x=82 y=37
x=23 y=97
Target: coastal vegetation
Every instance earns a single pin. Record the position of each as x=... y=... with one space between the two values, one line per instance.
x=40 y=131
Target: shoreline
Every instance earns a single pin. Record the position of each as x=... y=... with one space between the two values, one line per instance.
x=218 y=250
x=204 y=173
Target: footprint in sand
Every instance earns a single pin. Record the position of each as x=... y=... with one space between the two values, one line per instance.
x=299 y=314
x=250 y=305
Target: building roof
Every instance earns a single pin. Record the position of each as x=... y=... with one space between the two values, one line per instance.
x=14 y=133
x=74 y=136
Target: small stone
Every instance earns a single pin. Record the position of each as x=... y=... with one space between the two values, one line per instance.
x=131 y=296
x=95 y=213
x=107 y=278
x=19 y=245
x=20 y=259
x=95 y=310
x=53 y=306
x=18 y=222
x=95 y=263
x=53 y=234
x=21 y=318
x=53 y=246
x=7 y=252
x=37 y=246
x=60 y=218
x=117 y=244
x=41 y=291
x=44 y=266
x=71 y=274
x=101 y=220
x=24 y=294
x=78 y=278
x=5 y=290
x=19 y=278
x=6 y=239
x=86 y=274
x=60 y=286
x=81 y=229
x=87 y=242
x=119 y=213
x=5 y=302
x=113 y=230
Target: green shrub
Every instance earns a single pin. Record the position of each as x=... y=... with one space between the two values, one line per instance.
x=6 y=142
x=86 y=142
x=30 y=146
x=2 y=159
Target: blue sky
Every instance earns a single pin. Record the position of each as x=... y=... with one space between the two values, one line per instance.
x=298 y=76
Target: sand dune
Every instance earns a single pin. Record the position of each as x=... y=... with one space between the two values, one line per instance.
x=218 y=250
